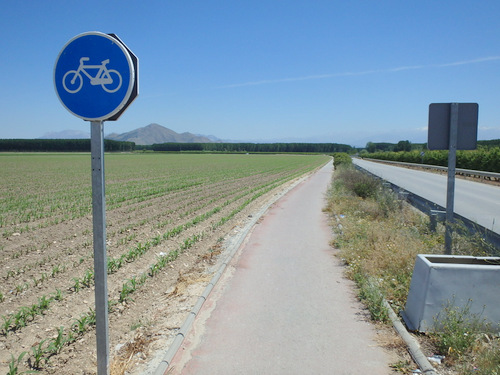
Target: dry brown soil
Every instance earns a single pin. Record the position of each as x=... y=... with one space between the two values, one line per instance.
x=145 y=324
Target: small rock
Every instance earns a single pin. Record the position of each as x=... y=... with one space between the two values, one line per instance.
x=140 y=355
x=436 y=358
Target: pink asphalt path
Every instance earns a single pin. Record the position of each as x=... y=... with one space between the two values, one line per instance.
x=283 y=305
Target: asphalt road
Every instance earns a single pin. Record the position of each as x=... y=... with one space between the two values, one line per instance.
x=283 y=305
x=476 y=201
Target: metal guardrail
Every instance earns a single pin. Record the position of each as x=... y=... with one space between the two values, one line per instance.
x=434 y=211
x=492 y=176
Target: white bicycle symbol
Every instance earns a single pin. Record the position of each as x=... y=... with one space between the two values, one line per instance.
x=109 y=79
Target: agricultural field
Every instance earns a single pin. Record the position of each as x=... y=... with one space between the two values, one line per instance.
x=168 y=216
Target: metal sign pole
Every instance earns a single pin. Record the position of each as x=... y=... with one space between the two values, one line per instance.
x=97 y=99
x=100 y=257
x=452 y=161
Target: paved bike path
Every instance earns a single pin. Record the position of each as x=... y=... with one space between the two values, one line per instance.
x=283 y=305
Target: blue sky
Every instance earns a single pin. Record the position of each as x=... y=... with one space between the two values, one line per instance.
x=317 y=71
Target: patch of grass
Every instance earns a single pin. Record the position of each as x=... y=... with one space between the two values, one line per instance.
x=378 y=237
x=403 y=366
x=457 y=329
x=373 y=298
x=463 y=338
x=483 y=358
x=140 y=323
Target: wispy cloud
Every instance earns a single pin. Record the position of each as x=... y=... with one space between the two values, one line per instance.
x=360 y=73
x=489 y=127
x=466 y=62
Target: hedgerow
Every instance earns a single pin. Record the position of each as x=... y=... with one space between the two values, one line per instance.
x=481 y=160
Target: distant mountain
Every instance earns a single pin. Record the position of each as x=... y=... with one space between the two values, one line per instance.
x=155 y=133
x=212 y=138
x=66 y=134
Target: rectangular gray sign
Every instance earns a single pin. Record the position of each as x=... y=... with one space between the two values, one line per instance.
x=439 y=126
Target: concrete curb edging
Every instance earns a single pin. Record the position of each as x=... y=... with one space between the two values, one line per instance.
x=233 y=248
x=413 y=347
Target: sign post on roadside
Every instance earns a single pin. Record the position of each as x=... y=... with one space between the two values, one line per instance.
x=96 y=79
x=452 y=127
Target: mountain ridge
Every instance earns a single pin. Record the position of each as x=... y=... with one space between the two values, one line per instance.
x=66 y=134
x=155 y=133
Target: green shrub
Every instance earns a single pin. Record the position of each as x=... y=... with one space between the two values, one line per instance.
x=359 y=183
x=456 y=329
x=341 y=158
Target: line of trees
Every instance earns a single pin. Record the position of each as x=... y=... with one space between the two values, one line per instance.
x=61 y=145
x=407 y=146
x=489 y=144
x=396 y=147
x=83 y=145
x=254 y=147
x=483 y=159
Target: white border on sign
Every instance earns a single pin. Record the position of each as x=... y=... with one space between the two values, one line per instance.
x=130 y=85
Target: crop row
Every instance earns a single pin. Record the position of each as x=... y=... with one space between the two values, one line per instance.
x=64 y=201
x=59 y=268
x=42 y=352
x=19 y=319
x=27 y=249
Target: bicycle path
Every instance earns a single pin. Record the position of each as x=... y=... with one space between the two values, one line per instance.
x=283 y=305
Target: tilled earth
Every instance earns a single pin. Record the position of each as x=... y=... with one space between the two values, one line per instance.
x=146 y=321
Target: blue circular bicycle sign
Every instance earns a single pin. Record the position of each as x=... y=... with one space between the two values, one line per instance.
x=95 y=76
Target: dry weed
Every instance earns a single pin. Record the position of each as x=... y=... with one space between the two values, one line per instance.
x=380 y=238
x=123 y=360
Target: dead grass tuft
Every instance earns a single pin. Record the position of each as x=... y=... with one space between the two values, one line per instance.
x=123 y=360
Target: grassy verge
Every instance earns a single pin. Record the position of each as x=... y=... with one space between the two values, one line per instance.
x=379 y=237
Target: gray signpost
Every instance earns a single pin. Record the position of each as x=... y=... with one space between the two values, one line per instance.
x=452 y=127
x=96 y=79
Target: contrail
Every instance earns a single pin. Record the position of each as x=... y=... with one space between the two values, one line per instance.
x=360 y=73
x=475 y=61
